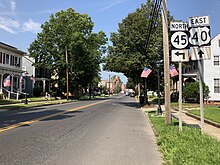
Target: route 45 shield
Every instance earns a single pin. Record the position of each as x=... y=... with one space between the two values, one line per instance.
x=179 y=40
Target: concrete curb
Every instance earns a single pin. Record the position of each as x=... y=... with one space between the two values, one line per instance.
x=155 y=134
x=35 y=106
x=215 y=124
x=205 y=120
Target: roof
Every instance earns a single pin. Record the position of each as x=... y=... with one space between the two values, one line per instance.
x=12 y=48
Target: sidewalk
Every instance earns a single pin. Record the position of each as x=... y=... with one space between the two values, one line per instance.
x=193 y=122
x=190 y=121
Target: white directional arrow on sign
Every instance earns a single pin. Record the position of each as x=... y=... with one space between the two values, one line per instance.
x=180 y=55
x=199 y=36
x=201 y=53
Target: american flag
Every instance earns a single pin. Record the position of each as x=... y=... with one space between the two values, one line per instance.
x=7 y=81
x=21 y=78
x=173 y=71
x=33 y=79
x=146 y=72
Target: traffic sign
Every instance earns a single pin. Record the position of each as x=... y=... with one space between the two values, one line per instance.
x=200 y=36
x=178 y=26
x=199 y=21
x=201 y=53
x=180 y=55
x=179 y=37
x=179 y=40
x=199 y=31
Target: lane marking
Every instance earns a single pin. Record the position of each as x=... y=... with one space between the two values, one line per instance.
x=48 y=116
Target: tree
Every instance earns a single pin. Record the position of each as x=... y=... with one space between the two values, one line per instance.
x=130 y=50
x=191 y=91
x=71 y=30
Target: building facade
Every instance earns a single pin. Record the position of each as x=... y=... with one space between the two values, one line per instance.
x=212 y=70
x=37 y=79
x=10 y=70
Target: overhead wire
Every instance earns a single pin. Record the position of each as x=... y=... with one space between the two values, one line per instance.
x=153 y=19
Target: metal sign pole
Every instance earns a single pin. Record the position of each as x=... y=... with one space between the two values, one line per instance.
x=201 y=94
x=180 y=96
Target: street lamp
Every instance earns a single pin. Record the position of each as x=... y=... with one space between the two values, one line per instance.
x=26 y=101
x=159 y=110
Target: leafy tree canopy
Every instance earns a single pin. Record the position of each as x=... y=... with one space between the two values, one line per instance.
x=72 y=32
x=130 y=51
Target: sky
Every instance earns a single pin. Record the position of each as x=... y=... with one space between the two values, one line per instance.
x=20 y=20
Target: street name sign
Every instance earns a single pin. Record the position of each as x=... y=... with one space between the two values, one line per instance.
x=199 y=31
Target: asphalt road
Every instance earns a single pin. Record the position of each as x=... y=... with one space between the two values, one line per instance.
x=99 y=132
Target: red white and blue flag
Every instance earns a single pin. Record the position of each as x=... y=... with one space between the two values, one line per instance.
x=7 y=81
x=146 y=72
x=173 y=71
x=21 y=78
x=33 y=79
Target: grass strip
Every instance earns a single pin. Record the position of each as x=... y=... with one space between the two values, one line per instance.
x=212 y=113
x=31 y=104
x=189 y=147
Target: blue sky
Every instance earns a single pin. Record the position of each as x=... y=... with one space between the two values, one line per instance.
x=20 y=20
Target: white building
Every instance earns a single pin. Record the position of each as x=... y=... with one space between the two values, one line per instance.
x=10 y=66
x=212 y=70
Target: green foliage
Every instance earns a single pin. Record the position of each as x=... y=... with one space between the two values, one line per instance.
x=37 y=91
x=189 y=147
x=212 y=113
x=191 y=91
x=130 y=50
x=72 y=32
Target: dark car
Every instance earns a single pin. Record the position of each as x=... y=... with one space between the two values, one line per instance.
x=132 y=95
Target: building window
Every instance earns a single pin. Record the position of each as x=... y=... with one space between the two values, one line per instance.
x=7 y=59
x=37 y=72
x=216 y=60
x=217 y=85
x=16 y=61
x=218 y=43
x=43 y=72
x=0 y=57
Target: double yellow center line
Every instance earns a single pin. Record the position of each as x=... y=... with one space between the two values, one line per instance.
x=46 y=117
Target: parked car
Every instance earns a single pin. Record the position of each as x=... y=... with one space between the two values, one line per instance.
x=132 y=94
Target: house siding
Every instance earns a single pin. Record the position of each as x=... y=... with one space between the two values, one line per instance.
x=212 y=71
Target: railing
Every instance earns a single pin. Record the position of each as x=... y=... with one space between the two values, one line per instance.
x=8 y=94
x=47 y=96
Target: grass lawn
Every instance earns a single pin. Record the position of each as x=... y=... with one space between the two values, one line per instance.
x=31 y=103
x=187 y=148
x=210 y=112
x=175 y=105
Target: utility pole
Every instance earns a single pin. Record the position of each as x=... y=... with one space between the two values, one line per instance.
x=166 y=63
x=67 y=76
x=109 y=84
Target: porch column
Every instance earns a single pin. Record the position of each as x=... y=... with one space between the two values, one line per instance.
x=20 y=83
x=1 y=84
x=12 y=82
x=44 y=84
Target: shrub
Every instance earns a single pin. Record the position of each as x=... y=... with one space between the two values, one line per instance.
x=191 y=91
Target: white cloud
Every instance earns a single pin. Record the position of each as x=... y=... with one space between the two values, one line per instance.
x=9 y=25
x=31 y=26
x=113 y=3
x=13 y=6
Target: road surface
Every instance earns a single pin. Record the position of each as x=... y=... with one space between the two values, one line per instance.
x=100 y=132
